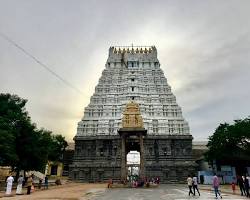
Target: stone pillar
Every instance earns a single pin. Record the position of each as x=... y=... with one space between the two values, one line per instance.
x=123 y=159
x=142 y=170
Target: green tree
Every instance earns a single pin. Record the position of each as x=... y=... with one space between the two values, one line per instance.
x=7 y=148
x=12 y=111
x=58 y=147
x=230 y=142
x=22 y=145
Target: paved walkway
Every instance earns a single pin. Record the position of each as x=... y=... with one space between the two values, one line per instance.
x=79 y=191
x=163 y=192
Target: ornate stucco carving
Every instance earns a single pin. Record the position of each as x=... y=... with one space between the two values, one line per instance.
x=131 y=116
x=132 y=73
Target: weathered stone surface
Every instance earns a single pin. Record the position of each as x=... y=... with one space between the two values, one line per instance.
x=167 y=157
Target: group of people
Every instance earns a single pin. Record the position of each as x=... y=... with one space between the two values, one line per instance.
x=146 y=181
x=192 y=185
x=21 y=182
x=243 y=182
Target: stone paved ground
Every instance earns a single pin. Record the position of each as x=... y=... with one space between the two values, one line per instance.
x=164 y=192
x=78 y=191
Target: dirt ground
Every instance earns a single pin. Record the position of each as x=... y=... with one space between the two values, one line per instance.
x=69 y=191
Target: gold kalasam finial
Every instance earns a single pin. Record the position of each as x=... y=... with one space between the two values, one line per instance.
x=131 y=116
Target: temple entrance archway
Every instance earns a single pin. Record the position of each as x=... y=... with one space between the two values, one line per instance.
x=133 y=165
x=132 y=133
x=132 y=139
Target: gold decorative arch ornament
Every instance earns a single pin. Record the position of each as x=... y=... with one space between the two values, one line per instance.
x=131 y=116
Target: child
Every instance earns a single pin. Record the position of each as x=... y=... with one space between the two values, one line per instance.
x=233 y=187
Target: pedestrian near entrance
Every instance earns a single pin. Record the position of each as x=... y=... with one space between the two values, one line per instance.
x=195 y=185
x=216 y=184
x=190 y=185
x=9 y=182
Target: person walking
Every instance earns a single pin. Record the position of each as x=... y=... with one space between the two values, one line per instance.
x=46 y=182
x=9 y=182
x=216 y=184
x=246 y=184
x=190 y=185
x=19 y=185
x=29 y=185
x=240 y=182
x=195 y=185
x=233 y=187
x=110 y=183
x=40 y=183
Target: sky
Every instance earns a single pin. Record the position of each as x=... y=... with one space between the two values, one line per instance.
x=203 y=48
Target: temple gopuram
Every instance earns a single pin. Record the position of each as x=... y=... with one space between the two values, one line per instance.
x=132 y=110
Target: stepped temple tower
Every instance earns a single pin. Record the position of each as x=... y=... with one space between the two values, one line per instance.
x=132 y=109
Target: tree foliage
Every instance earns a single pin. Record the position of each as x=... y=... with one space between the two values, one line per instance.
x=22 y=145
x=230 y=142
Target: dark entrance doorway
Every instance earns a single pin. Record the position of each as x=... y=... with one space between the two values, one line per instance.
x=132 y=139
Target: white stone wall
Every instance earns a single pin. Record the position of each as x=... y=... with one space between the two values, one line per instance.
x=132 y=74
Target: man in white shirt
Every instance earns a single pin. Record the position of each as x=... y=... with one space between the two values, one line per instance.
x=195 y=185
x=190 y=182
x=9 y=182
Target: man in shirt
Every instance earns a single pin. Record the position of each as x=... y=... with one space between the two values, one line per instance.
x=9 y=182
x=195 y=185
x=190 y=184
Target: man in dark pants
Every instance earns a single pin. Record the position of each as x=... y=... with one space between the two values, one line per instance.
x=246 y=184
x=46 y=182
x=190 y=185
x=241 y=185
x=195 y=185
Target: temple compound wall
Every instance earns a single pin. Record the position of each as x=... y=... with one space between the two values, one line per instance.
x=132 y=74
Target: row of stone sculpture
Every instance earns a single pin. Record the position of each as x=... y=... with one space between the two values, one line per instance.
x=141 y=50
